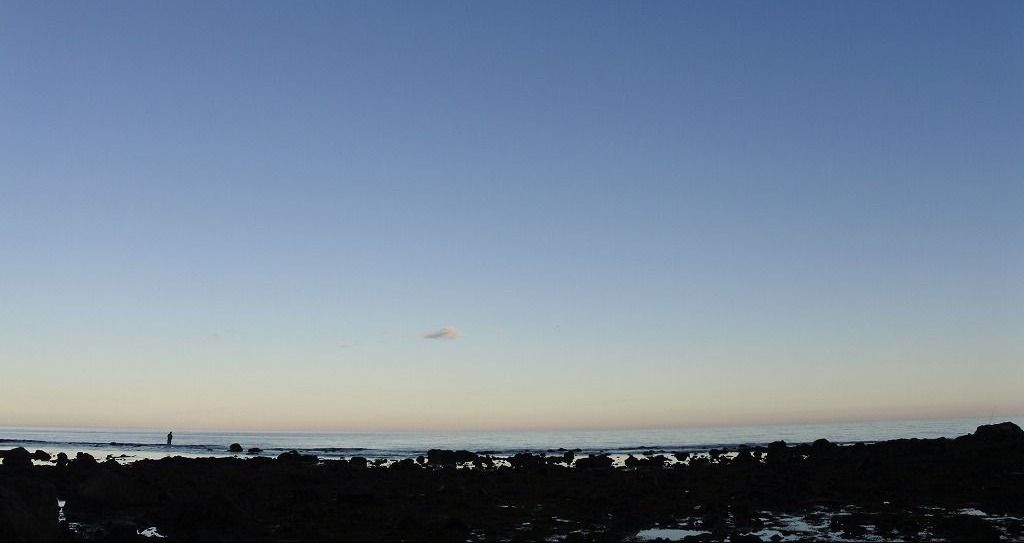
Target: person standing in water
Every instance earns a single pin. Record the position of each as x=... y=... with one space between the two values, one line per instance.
x=170 y=436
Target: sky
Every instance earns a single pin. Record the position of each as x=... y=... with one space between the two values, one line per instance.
x=518 y=215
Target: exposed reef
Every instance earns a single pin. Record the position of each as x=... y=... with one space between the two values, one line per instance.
x=901 y=489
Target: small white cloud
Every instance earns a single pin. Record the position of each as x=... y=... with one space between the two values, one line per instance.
x=446 y=332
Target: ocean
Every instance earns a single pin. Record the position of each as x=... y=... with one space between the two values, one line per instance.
x=131 y=445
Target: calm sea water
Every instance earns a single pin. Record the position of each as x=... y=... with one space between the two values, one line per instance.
x=151 y=443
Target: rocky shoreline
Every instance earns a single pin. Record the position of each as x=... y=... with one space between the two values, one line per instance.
x=970 y=488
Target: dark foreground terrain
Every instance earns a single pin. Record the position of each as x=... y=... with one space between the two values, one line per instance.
x=970 y=488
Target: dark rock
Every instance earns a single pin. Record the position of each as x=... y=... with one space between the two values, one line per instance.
x=446 y=528
x=896 y=526
x=632 y=461
x=743 y=517
x=28 y=510
x=697 y=461
x=357 y=462
x=84 y=459
x=17 y=458
x=999 y=433
x=296 y=457
x=594 y=461
x=743 y=457
x=255 y=450
x=778 y=452
x=405 y=464
x=555 y=460
x=112 y=487
x=965 y=528
x=355 y=499
x=217 y=512
x=62 y=460
x=444 y=457
x=822 y=445
x=656 y=461
x=235 y=448
x=41 y=456
x=526 y=460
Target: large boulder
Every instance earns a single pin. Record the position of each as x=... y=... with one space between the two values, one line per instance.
x=822 y=445
x=777 y=450
x=235 y=448
x=17 y=458
x=743 y=457
x=594 y=461
x=28 y=511
x=999 y=433
x=443 y=457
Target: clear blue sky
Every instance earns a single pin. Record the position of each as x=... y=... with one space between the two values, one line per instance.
x=250 y=214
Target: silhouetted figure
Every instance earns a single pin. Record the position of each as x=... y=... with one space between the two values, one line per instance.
x=170 y=436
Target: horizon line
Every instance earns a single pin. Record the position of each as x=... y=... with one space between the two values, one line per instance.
x=994 y=419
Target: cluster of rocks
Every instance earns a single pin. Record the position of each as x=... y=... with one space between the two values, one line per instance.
x=20 y=457
x=526 y=496
x=237 y=448
x=447 y=458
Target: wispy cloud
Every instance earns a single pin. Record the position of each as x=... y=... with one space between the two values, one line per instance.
x=446 y=332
